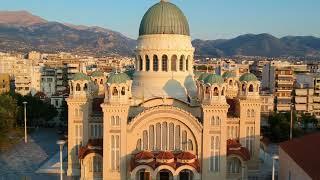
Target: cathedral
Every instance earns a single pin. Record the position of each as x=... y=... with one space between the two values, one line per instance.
x=166 y=122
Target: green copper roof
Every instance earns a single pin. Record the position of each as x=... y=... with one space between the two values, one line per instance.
x=197 y=74
x=248 y=77
x=164 y=18
x=80 y=76
x=213 y=79
x=203 y=76
x=228 y=74
x=97 y=74
x=118 y=78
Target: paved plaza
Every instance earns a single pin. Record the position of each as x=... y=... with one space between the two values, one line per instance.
x=23 y=160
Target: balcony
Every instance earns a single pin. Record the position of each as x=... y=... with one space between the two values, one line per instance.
x=301 y=107
x=283 y=107
x=73 y=71
x=316 y=99
x=300 y=100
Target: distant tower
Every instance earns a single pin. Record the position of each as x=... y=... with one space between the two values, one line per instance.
x=79 y=105
x=214 y=110
x=232 y=84
x=115 y=114
x=99 y=79
x=250 y=104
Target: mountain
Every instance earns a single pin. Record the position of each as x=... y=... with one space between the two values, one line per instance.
x=259 y=45
x=34 y=33
x=22 y=31
x=19 y=18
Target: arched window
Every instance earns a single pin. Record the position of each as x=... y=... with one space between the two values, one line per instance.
x=123 y=91
x=113 y=122
x=155 y=63
x=85 y=87
x=101 y=81
x=215 y=92
x=187 y=63
x=151 y=137
x=158 y=136
x=181 y=63
x=218 y=121
x=164 y=135
x=234 y=165
x=207 y=90
x=114 y=91
x=78 y=87
x=138 y=145
x=230 y=82
x=248 y=113
x=117 y=121
x=95 y=81
x=177 y=137
x=222 y=92
x=164 y=63
x=190 y=145
x=140 y=63
x=145 y=140
x=171 y=136
x=184 y=140
x=213 y=121
x=243 y=87
x=251 y=88
x=174 y=63
x=147 y=63
x=252 y=113
x=71 y=87
x=97 y=164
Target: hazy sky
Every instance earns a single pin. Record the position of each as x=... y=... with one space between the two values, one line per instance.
x=208 y=19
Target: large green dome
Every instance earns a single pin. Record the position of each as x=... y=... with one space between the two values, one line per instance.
x=118 y=78
x=164 y=18
x=248 y=77
x=213 y=79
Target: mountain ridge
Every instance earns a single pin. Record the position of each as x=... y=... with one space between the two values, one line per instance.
x=22 y=31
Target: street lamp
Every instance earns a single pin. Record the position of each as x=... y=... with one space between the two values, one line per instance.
x=291 y=120
x=25 y=121
x=274 y=158
x=61 y=143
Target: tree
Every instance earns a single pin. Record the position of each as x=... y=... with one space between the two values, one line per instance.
x=308 y=119
x=8 y=111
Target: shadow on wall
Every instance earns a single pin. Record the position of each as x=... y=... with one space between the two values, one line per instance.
x=190 y=85
x=173 y=89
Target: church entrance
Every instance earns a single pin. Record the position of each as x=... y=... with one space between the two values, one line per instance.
x=185 y=175
x=165 y=175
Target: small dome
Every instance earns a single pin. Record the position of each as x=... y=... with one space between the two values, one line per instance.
x=97 y=74
x=186 y=156
x=213 y=79
x=203 y=76
x=197 y=74
x=228 y=74
x=165 y=155
x=118 y=78
x=164 y=18
x=248 y=77
x=80 y=76
x=144 y=155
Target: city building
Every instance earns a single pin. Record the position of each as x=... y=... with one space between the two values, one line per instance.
x=299 y=158
x=278 y=79
x=48 y=81
x=4 y=83
x=303 y=94
x=163 y=123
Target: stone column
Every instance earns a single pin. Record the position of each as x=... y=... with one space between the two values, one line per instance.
x=160 y=63
x=143 y=63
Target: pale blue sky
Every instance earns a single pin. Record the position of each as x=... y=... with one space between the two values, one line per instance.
x=208 y=19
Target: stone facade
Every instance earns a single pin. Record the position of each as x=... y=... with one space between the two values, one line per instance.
x=164 y=123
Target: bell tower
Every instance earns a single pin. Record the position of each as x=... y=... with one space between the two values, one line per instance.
x=115 y=118
x=79 y=105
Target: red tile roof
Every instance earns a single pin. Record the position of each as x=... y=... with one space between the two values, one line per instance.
x=235 y=148
x=305 y=152
x=93 y=146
